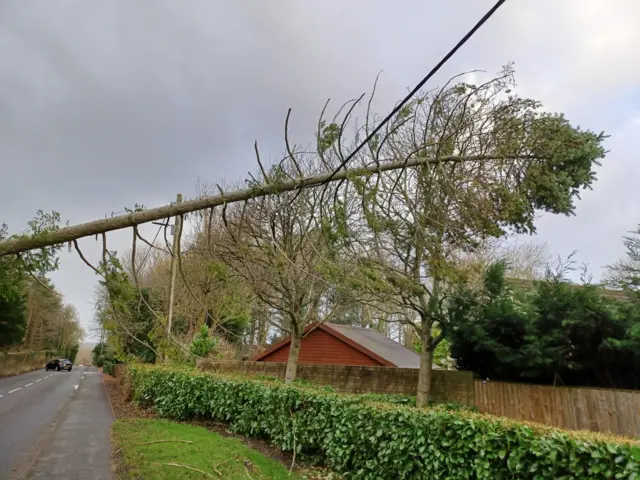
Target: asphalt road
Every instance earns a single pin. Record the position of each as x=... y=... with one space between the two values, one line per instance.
x=55 y=425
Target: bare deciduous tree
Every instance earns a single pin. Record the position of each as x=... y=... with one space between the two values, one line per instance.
x=277 y=244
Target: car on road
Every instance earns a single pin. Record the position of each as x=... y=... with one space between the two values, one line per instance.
x=59 y=364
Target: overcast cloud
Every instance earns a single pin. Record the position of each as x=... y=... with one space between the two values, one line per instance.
x=104 y=104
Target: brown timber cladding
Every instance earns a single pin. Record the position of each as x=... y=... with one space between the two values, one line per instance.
x=447 y=385
x=575 y=408
x=320 y=347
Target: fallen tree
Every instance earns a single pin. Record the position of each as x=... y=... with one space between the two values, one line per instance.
x=23 y=243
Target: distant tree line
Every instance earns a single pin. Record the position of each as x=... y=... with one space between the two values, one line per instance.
x=33 y=317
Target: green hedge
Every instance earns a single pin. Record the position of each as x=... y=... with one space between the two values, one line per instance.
x=107 y=367
x=382 y=441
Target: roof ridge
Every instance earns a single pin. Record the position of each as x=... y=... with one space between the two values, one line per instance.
x=372 y=330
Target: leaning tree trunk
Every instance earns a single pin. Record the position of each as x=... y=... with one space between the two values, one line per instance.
x=426 y=367
x=294 y=353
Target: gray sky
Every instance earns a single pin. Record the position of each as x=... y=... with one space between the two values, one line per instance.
x=108 y=104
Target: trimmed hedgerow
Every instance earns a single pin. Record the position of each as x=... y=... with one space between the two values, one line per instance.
x=107 y=367
x=369 y=440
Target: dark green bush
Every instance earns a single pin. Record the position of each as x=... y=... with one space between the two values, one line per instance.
x=107 y=367
x=369 y=440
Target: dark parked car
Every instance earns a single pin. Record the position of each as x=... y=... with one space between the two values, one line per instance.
x=59 y=364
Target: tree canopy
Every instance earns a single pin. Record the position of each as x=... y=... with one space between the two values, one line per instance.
x=553 y=332
x=32 y=315
x=511 y=160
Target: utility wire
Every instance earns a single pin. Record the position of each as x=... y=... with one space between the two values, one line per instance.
x=433 y=71
x=153 y=242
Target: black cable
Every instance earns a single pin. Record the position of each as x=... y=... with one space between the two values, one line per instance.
x=433 y=71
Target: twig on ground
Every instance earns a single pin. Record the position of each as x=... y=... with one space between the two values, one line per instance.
x=182 y=465
x=153 y=441
x=215 y=467
x=248 y=474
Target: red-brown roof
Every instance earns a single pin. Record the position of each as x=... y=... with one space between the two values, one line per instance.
x=368 y=341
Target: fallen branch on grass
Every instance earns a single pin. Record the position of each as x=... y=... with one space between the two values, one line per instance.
x=182 y=465
x=154 y=441
x=248 y=474
x=215 y=467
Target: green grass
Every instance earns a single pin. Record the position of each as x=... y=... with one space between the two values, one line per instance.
x=208 y=452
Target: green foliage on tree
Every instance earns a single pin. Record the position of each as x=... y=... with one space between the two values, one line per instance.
x=12 y=317
x=12 y=299
x=70 y=352
x=441 y=354
x=127 y=314
x=203 y=343
x=103 y=352
x=512 y=160
x=30 y=314
x=553 y=333
x=228 y=311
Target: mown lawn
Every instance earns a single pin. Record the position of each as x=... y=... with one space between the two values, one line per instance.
x=187 y=446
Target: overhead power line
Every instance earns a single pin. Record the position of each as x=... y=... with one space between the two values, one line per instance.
x=406 y=99
x=68 y=234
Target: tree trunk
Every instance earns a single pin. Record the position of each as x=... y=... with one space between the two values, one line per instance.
x=66 y=234
x=252 y=331
x=27 y=331
x=294 y=353
x=409 y=336
x=366 y=317
x=426 y=367
x=262 y=332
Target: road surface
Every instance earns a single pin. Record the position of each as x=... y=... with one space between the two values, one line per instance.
x=55 y=425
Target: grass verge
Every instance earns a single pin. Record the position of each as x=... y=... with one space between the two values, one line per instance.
x=160 y=449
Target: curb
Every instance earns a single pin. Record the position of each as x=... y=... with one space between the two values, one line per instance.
x=118 y=466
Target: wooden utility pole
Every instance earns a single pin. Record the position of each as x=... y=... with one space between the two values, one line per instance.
x=174 y=255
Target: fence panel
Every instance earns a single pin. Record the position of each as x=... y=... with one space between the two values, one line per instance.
x=576 y=408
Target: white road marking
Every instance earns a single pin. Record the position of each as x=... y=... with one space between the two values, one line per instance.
x=75 y=386
x=29 y=384
x=1 y=396
x=15 y=389
x=39 y=380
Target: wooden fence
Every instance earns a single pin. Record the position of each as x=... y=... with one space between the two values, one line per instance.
x=574 y=408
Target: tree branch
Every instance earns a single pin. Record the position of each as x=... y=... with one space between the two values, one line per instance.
x=35 y=277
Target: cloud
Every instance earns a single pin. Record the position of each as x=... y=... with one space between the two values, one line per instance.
x=607 y=212
x=107 y=104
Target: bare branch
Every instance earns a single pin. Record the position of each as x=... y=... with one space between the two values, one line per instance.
x=286 y=141
x=35 y=277
x=183 y=465
x=264 y=172
x=75 y=244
